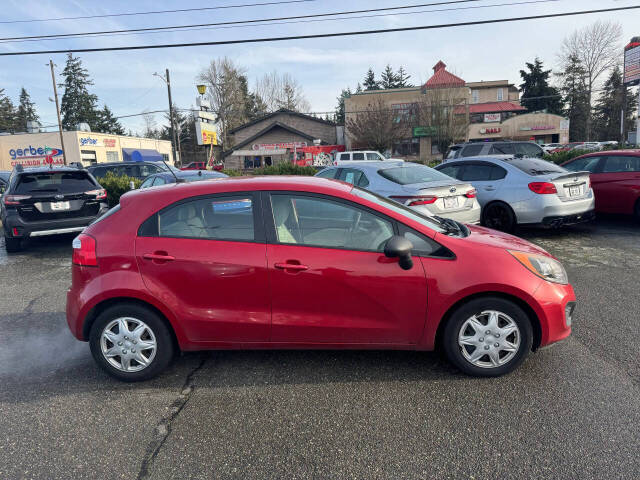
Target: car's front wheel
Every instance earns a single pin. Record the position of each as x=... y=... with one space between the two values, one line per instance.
x=488 y=337
x=131 y=342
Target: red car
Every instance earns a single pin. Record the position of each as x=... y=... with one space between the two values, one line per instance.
x=195 y=166
x=615 y=178
x=305 y=262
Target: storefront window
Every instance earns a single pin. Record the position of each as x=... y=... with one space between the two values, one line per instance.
x=408 y=147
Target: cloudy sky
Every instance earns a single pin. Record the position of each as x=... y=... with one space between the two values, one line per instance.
x=125 y=81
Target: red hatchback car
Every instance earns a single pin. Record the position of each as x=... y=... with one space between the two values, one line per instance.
x=295 y=262
x=615 y=179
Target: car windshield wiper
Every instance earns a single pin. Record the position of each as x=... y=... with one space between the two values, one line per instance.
x=450 y=226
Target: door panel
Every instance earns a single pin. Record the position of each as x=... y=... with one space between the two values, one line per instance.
x=218 y=289
x=617 y=185
x=345 y=297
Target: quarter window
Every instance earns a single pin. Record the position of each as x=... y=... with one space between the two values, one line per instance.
x=320 y=222
x=354 y=177
x=327 y=173
x=218 y=218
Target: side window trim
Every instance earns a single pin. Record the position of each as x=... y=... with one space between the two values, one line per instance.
x=270 y=227
x=149 y=228
x=441 y=253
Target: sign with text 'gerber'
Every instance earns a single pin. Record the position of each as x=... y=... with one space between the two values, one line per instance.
x=36 y=156
x=206 y=134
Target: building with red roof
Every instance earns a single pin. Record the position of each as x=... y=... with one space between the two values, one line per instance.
x=488 y=110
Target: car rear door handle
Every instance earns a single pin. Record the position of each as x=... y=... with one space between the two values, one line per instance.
x=163 y=257
x=489 y=188
x=291 y=266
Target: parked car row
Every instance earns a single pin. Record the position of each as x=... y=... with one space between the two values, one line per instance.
x=587 y=146
x=474 y=149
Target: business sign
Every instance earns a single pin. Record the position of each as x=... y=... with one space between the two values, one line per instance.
x=36 y=156
x=428 y=131
x=564 y=124
x=206 y=115
x=278 y=146
x=97 y=142
x=537 y=127
x=206 y=134
x=490 y=131
x=491 y=117
x=631 y=75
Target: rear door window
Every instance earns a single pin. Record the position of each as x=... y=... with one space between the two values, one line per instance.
x=477 y=172
x=453 y=171
x=621 y=163
x=502 y=149
x=527 y=149
x=588 y=164
x=358 y=156
x=472 y=150
x=54 y=182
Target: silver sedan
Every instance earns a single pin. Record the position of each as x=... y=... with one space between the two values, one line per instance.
x=514 y=190
x=414 y=185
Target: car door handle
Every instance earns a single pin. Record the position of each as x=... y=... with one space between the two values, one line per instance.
x=291 y=266
x=163 y=257
x=489 y=188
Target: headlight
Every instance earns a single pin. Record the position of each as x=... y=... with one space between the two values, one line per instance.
x=542 y=266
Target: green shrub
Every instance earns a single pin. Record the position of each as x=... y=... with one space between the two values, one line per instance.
x=285 y=169
x=561 y=157
x=232 y=173
x=116 y=186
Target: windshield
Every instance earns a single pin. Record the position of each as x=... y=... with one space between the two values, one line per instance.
x=430 y=222
x=412 y=174
x=54 y=182
x=535 y=166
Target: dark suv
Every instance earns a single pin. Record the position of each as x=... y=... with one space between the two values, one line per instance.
x=139 y=170
x=474 y=149
x=48 y=201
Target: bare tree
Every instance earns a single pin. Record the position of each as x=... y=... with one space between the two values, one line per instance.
x=150 y=126
x=227 y=92
x=376 y=127
x=597 y=48
x=281 y=91
x=445 y=109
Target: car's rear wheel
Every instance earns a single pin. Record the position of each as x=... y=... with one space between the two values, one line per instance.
x=12 y=245
x=488 y=337
x=499 y=216
x=131 y=342
x=636 y=211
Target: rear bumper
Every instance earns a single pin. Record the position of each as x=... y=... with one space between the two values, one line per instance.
x=47 y=227
x=561 y=220
x=546 y=209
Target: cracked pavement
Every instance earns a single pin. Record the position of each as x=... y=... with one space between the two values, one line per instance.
x=571 y=411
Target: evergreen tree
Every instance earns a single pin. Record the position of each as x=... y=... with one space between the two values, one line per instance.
x=388 y=78
x=575 y=98
x=402 y=79
x=78 y=105
x=7 y=113
x=340 y=113
x=358 y=88
x=536 y=84
x=26 y=112
x=614 y=99
x=105 y=122
x=370 y=82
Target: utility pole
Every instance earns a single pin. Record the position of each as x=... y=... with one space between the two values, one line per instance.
x=55 y=95
x=174 y=140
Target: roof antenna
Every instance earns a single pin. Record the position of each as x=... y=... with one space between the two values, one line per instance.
x=178 y=180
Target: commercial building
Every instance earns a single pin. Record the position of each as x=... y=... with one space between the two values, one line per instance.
x=35 y=149
x=276 y=137
x=486 y=111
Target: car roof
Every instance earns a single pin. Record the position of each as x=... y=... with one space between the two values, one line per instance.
x=478 y=158
x=110 y=164
x=371 y=165
x=629 y=153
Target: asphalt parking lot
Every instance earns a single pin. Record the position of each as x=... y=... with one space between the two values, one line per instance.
x=570 y=411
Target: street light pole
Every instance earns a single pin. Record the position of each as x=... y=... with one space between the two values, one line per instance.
x=55 y=95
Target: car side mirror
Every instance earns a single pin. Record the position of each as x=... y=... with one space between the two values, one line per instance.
x=400 y=248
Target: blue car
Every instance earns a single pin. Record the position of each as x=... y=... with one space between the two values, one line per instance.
x=182 y=175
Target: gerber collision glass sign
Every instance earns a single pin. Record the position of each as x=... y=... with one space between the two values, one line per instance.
x=36 y=156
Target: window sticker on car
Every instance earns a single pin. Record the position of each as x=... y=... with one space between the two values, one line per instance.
x=226 y=206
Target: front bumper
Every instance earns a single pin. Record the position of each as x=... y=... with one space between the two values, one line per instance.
x=47 y=227
x=556 y=304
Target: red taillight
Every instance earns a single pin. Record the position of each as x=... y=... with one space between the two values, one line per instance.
x=15 y=199
x=101 y=193
x=470 y=194
x=415 y=200
x=542 y=188
x=84 y=251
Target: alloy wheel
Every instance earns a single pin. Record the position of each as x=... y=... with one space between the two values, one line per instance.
x=128 y=344
x=489 y=339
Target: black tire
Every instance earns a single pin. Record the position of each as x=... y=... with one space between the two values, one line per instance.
x=636 y=211
x=475 y=307
x=12 y=245
x=165 y=348
x=499 y=216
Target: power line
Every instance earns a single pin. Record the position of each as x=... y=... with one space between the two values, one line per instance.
x=235 y=22
x=321 y=35
x=268 y=21
x=156 y=12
